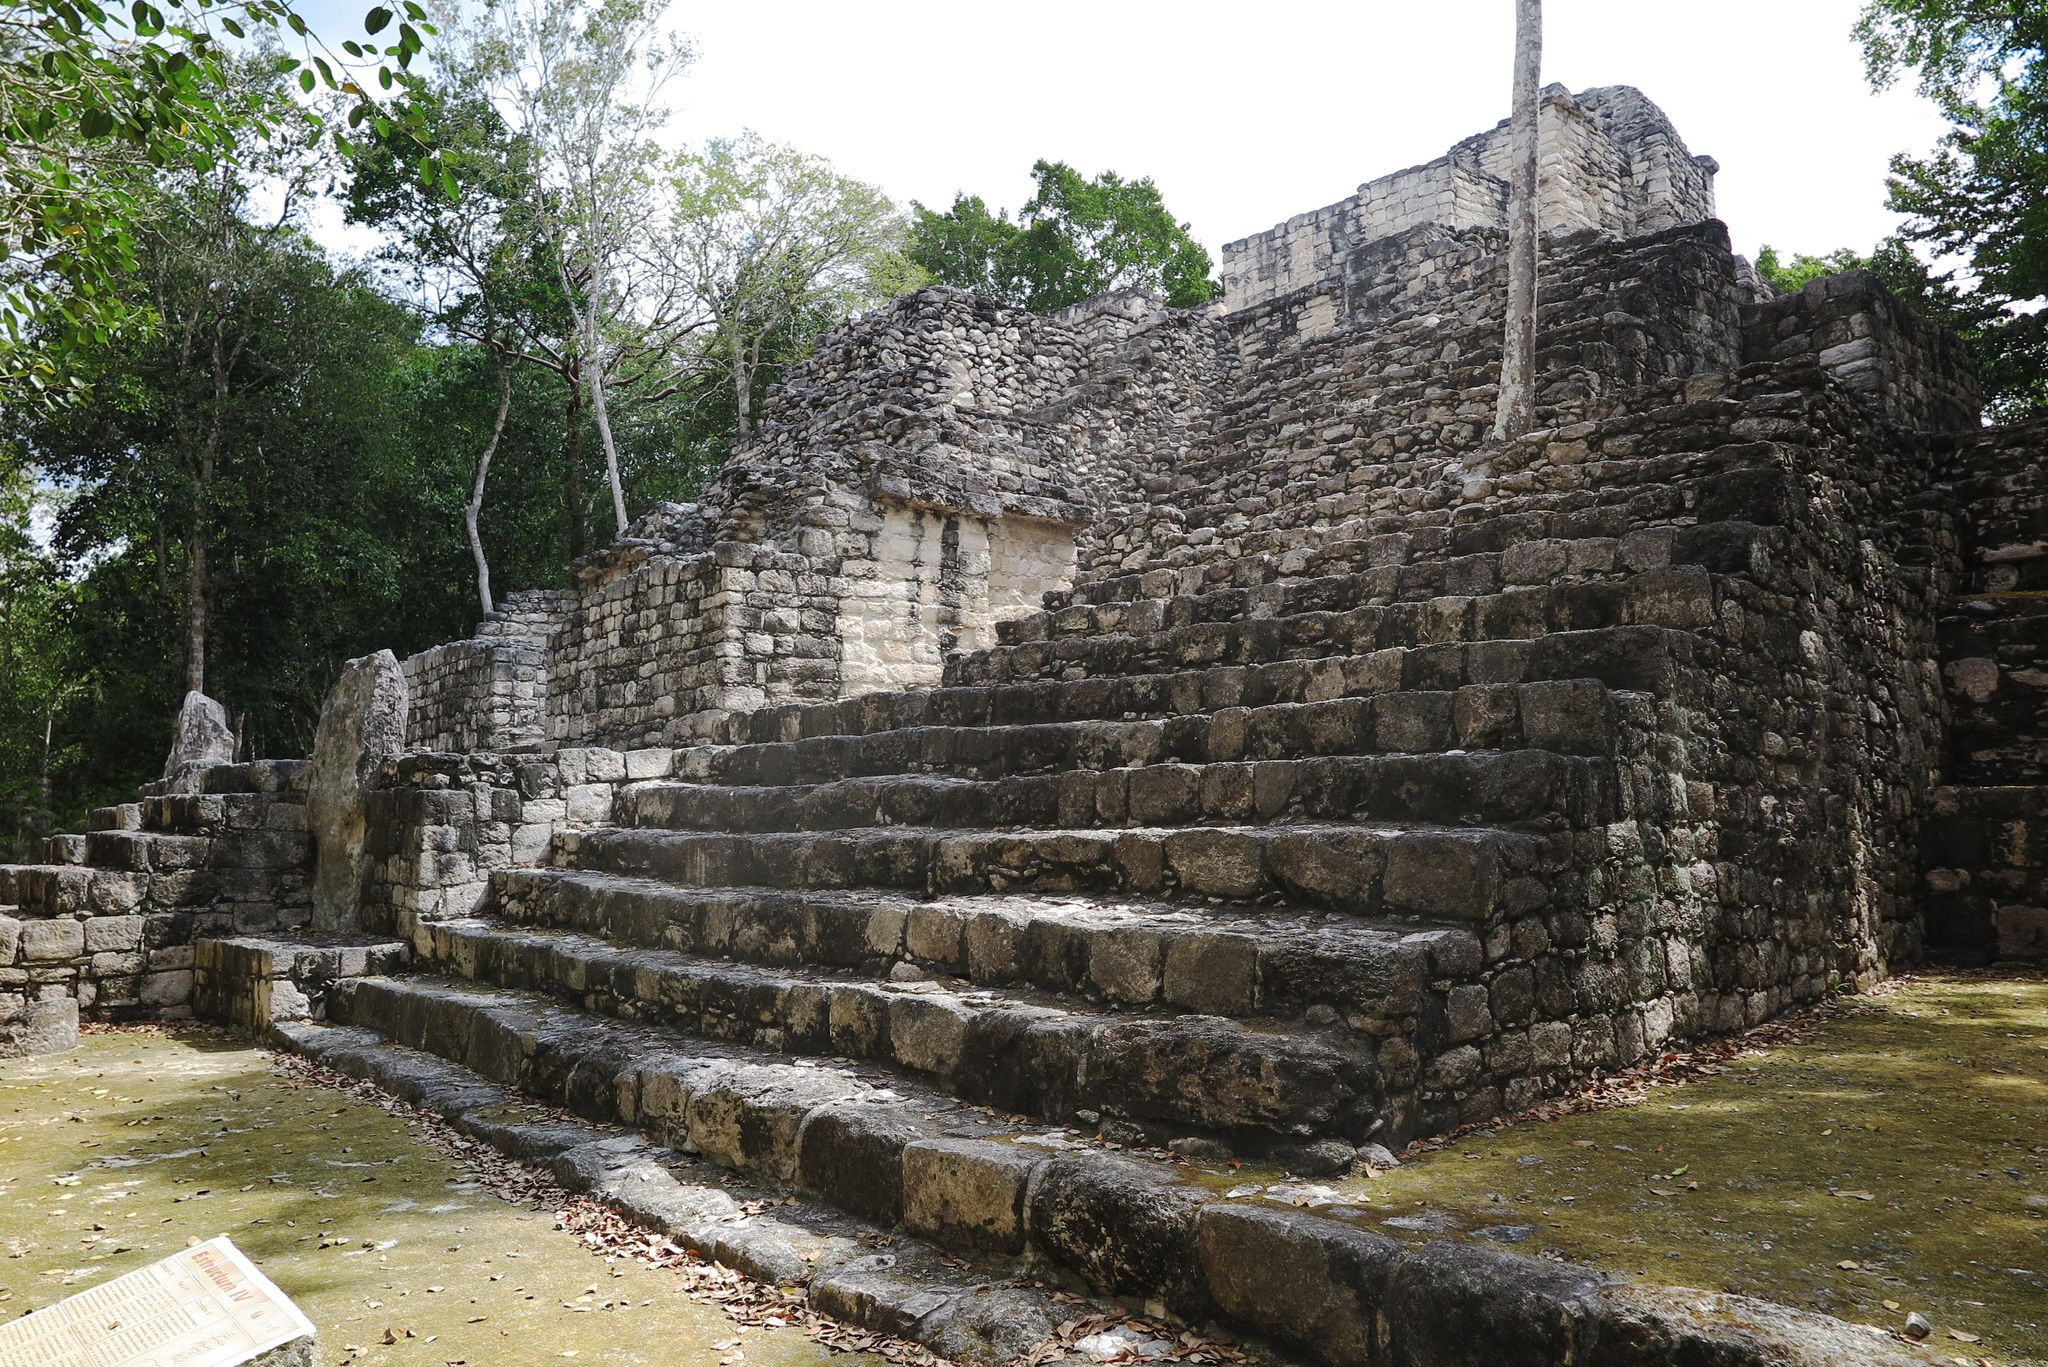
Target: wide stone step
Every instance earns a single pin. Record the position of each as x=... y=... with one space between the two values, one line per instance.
x=147 y=851
x=1429 y=561
x=75 y=891
x=983 y=1308
x=58 y=849
x=126 y=816
x=1016 y=1050
x=1633 y=502
x=278 y=776
x=1534 y=787
x=150 y=851
x=1637 y=659
x=1676 y=599
x=215 y=813
x=1349 y=575
x=1571 y=717
x=1475 y=874
x=909 y=1161
x=1223 y=961
x=1292 y=614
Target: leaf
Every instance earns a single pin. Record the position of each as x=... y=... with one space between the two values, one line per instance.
x=1852 y=1194
x=1964 y=1336
x=306 y=80
x=376 y=19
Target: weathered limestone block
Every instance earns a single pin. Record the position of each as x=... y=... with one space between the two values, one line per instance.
x=52 y=941
x=200 y=739
x=362 y=725
x=45 y=1026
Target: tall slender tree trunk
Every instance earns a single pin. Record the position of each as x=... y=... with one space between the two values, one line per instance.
x=586 y=320
x=473 y=510
x=195 y=612
x=604 y=434
x=45 y=792
x=1517 y=406
x=196 y=623
x=742 y=385
x=572 y=460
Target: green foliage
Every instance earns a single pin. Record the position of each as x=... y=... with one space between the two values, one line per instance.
x=1789 y=277
x=94 y=100
x=773 y=247
x=264 y=459
x=1072 y=240
x=38 y=682
x=1982 y=195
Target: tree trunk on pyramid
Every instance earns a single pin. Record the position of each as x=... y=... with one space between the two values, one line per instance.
x=1517 y=406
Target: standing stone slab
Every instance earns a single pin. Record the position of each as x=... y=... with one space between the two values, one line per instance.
x=361 y=726
x=200 y=739
x=47 y=1026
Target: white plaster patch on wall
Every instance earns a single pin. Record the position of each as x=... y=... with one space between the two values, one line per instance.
x=1027 y=560
x=936 y=582
x=889 y=620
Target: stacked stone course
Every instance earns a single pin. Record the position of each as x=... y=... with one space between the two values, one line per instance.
x=110 y=917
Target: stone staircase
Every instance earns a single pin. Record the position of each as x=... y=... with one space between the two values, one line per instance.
x=110 y=916
x=1365 y=777
x=948 y=1003
x=1264 y=857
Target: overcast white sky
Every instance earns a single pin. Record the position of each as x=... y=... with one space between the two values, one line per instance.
x=1249 y=114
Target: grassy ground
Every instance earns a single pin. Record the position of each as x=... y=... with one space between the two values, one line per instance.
x=140 y=1142
x=1895 y=1159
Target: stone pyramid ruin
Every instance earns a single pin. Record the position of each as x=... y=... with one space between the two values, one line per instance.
x=1053 y=746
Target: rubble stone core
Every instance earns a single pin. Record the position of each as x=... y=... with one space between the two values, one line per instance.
x=1193 y=726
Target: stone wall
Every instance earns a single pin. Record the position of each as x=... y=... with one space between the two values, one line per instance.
x=1985 y=864
x=442 y=824
x=928 y=472
x=1609 y=160
x=1378 y=400
x=110 y=917
x=1900 y=363
x=479 y=694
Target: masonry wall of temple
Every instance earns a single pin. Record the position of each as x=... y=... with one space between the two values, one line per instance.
x=1195 y=721
x=1608 y=160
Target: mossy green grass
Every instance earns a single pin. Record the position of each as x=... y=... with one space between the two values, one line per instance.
x=143 y=1140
